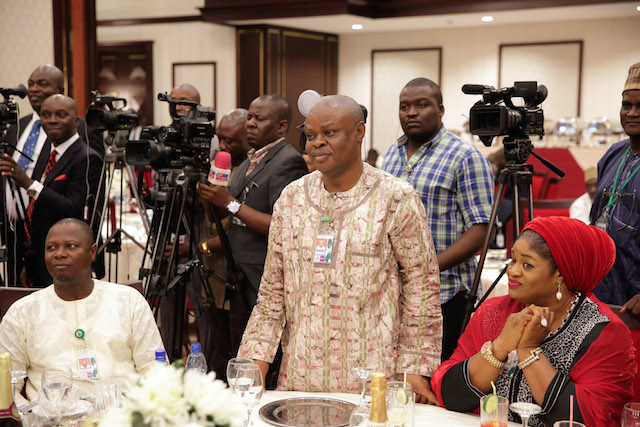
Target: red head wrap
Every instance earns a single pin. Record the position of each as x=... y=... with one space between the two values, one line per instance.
x=583 y=253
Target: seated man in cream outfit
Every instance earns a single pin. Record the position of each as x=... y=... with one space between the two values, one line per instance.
x=98 y=329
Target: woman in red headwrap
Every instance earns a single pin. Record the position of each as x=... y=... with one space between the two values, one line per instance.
x=550 y=338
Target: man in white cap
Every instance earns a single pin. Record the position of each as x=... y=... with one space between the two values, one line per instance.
x=581 y=207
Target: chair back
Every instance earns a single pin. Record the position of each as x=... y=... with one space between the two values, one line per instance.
x=634 y=327
x=9 y=295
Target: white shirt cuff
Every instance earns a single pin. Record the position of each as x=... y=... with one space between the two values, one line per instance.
x=37 y=187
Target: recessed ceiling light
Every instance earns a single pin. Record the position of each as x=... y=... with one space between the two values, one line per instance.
x=486 y=18
x=638 y=8
x=357 y=27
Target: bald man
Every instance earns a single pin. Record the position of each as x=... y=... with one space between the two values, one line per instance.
x=185 y=92
x=351 y=277
x=56 y=189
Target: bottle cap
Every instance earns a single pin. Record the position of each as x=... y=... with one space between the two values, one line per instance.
x=378 y=382
x=195 y=347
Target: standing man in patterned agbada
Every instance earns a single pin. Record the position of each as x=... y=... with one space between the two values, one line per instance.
x=455 y=183
x=351 y=277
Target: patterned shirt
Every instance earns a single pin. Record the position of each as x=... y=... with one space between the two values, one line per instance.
x=255 y=156
x=455 y=183
x=375 y=304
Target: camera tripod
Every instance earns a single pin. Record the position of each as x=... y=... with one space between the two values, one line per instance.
x=516 y=173
x=116 y=160
x=175 y=211
x=5 y=229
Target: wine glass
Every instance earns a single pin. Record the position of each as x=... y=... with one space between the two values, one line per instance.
x=56 y=385
x=525 y=410
x=232 y=369
x=361 y=412
x=15 y=377
x=631 y=415
x=249 y=387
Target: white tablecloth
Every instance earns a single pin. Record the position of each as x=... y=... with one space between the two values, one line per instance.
x=425 y=415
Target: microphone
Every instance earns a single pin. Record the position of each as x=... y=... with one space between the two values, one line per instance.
x=220 y=169
x=19 y=91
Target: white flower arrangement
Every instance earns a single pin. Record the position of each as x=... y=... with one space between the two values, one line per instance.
x=170 y=396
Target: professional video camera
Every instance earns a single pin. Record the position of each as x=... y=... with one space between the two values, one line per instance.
x=8 y=107
x=488 y=118
x=186 y=142
x=110 y=119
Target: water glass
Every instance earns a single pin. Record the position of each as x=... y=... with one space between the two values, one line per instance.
x=56 y=385
x=249 y=387
x=497 y=418
x=232 y=369
x=631 y=415
x=568 y=424
x=400 y=404
x=108 y=393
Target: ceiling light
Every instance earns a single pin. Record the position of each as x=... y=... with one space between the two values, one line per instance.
x=486 y=18
x=638 y=8
x=357 y=27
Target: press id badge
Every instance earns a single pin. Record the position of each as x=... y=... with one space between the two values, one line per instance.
x=603 y=220
x=324 y=242
x=87 y=365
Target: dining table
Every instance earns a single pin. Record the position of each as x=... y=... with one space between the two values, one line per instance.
x=424 y=415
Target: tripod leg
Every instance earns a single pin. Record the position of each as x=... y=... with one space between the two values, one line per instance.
x=472 y=295
x=136 y=195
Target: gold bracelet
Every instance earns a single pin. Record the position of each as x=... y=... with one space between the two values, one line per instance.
x=205 y=249
x=529 y=360
x=487 y=354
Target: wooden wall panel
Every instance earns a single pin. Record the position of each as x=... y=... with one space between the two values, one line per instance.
x=287 y=62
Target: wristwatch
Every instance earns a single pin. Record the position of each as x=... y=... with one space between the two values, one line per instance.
x=487 y=353
x=31 y=192
x=233 y=206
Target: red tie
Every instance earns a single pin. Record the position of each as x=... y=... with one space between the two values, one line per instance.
x=50 y=163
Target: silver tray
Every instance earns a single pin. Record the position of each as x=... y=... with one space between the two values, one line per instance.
x=307 y=412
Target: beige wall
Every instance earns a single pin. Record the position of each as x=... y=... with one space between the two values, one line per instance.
x=470 y=55
x=27 y=27
x=184 y=42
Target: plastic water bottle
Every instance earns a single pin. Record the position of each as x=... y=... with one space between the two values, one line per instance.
x=161 y=357
x=196 y=359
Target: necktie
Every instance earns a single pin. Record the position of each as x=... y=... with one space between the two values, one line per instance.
x=50 y=163
x=29 y=145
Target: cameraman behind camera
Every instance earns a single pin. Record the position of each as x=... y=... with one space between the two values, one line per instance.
x=271 y=165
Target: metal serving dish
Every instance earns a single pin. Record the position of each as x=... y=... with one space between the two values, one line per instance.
x=307 y=412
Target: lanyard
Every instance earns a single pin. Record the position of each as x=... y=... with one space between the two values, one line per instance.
x=615 y=189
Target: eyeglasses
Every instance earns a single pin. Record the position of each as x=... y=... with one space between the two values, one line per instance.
x=620 y=198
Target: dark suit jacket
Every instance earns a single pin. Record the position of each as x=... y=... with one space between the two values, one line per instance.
x=95 y=137
x=63 y=196
x=260 y=190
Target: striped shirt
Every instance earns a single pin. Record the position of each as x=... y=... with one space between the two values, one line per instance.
x=455 y=184
x=374 y=303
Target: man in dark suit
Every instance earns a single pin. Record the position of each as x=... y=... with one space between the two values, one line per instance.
x=271 y=165
x=65 y=171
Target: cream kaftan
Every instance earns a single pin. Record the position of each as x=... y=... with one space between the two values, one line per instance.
x=38 y=331
x=375 y=305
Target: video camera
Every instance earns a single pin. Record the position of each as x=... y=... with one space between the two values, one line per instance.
x=8 y=107
x=186 y=142
x=110 y=119
x=488 y=118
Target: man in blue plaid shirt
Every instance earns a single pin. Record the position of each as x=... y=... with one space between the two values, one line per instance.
x=455 y=183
